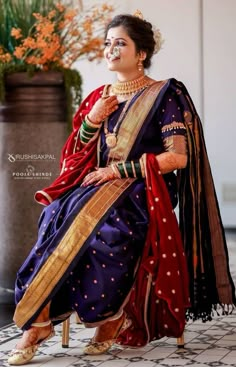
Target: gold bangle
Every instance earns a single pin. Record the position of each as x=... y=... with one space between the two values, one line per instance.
x=115 y=170
x=90 y=123
x=124 y=167
x=142 y=167
x=133 y=169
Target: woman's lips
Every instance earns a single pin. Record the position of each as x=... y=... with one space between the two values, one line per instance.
x=113 y=58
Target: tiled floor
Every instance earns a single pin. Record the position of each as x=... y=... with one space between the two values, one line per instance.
x=209 y=344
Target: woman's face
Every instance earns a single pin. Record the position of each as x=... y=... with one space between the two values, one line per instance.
x=126 y=59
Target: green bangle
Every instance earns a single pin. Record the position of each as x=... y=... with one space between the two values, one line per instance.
x=121 y=170
x=129 y=169
x=86 y=134
x=89 y=129
x=83 y=138
x=138 y=169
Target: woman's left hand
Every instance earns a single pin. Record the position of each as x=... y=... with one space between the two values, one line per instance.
x=99 y=176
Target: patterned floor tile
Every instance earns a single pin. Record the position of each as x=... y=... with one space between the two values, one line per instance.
x=211 y=344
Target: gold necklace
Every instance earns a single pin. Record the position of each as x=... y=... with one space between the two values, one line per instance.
x=111 y=137
x=130 y=87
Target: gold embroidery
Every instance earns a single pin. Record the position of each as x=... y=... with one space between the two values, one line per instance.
x=173 y=125
x=175 y=144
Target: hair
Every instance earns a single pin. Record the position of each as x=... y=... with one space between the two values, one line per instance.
x=139 y=30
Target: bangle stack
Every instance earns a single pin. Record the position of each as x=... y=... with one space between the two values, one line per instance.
x=134 y=169
x=88 y=130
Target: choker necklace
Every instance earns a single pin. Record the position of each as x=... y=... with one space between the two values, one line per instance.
x=130 y=87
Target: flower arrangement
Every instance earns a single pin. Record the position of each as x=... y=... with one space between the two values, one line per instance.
x=47 y=35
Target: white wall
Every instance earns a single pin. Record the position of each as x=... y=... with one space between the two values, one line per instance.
x=219 y=25
x=200 y=50
x=179 y=24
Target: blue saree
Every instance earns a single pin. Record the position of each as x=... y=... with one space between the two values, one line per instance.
x=91 y=240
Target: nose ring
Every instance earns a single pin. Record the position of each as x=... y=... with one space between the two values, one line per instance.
x=115 y=53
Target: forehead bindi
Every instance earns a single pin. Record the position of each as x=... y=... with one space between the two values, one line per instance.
x=117 y=39
x=117 y=33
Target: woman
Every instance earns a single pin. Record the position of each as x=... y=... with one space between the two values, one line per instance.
x=109 y=246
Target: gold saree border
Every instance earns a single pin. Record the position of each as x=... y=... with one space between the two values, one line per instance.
x=134 y=120
x=57 y=263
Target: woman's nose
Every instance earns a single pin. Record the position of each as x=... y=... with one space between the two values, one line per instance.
x=111 y=48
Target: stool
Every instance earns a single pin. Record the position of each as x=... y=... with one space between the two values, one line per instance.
x=66 y=336
x=65 y=333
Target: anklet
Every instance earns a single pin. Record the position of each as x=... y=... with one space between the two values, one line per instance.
x=41 y=324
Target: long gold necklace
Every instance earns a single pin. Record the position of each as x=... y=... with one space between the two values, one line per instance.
x=131 y=86
x=111 y=137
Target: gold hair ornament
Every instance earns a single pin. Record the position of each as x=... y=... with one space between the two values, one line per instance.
x=138 y=14
x=156 y=33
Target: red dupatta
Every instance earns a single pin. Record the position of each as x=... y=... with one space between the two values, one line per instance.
x=160 y=297
x=76 y=159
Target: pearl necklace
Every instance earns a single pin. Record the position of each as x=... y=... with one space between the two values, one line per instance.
x=130 y=87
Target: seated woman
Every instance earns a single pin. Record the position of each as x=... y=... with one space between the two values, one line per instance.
x=109 y=245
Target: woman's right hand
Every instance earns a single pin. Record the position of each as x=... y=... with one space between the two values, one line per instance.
x=103 y=107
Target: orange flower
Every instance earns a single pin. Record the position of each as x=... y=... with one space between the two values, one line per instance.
x=38 y=16
x=52 y=14
x=60 y=7
x=19 y=52
x=87 y=25
x=46 y=29
x=16 y=33
x=33 y=60
x=70 y=14
x=61 y=25
x=29 y=42
x=62 y=36
x=5 y=57
x=106 y=7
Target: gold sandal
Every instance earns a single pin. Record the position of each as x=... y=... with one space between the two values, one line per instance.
x=19 y=357
x=96 y=348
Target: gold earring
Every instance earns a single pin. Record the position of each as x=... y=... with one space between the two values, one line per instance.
x=140 y=65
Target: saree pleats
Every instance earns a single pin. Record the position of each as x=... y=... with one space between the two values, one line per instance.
x=42 y=286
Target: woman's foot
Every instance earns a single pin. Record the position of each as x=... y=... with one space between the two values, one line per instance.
x=28 y=345
x=33 y=336
x=106 y=335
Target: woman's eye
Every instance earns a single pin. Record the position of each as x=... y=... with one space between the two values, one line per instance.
x=120 y=43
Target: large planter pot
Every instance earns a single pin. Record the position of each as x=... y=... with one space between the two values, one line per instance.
x=33 y=129
x=32 y=97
